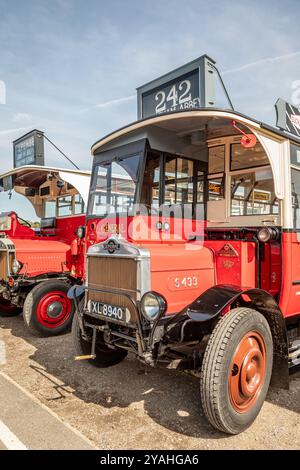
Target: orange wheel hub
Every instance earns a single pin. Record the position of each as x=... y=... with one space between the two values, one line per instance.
x=247 y=372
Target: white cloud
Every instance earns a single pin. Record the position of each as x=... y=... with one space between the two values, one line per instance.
x=268 y=60
x=108 y=104
x=21 y=117
x=8 y=132
x=115 y=102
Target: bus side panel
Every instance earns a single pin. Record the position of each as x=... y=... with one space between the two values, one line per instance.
x=235 y=262
x=290 y=286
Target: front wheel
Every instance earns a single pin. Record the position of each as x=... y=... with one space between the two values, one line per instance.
x=47 y=309
x=105 y=356
x=236 y=370
x=7 y=309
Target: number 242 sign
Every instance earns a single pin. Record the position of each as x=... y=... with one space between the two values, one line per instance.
x=179 y=97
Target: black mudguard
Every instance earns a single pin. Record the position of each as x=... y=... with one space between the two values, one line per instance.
x=199 y=318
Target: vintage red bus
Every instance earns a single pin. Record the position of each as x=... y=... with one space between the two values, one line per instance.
x=38 y=265
x=194 y=255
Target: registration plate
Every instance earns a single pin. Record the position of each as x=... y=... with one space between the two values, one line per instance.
x=111 y=312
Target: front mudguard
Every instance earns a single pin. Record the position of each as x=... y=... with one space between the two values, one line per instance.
x=199 y=318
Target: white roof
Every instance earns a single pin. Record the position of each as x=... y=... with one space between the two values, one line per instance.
x=77 y=178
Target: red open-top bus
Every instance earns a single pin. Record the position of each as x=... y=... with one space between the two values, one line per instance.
x=194 y=255
x=39 y=264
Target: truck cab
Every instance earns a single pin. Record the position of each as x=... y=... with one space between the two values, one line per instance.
x=41 y=259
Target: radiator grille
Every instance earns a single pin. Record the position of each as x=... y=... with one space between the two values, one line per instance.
x=3 y=264
x=119 y=274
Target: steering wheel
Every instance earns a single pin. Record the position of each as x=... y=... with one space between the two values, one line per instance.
x=26 y=223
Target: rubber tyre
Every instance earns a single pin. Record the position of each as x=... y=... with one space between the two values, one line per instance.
x=105 y=356
x=217 y=365
x=30 y=309
x=7 y=309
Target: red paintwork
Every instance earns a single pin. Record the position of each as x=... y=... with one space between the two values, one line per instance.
x=237 y=266
x=174 y=269
x=46 y=301
x=271 y=266
x=181 y=273
x=289 y=301
x=50 y=250
x=194 y=264
x=40 y=256
x=142 y=229
x=17 y=230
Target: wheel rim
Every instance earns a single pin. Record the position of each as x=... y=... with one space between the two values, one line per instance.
x=247 y=372
x=54 y=309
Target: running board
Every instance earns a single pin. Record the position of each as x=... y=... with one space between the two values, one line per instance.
x=84 y=358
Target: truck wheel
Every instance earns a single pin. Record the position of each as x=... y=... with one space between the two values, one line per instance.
x=236 y=370
x=105 y=356
x=47 y=309
x=7 y=309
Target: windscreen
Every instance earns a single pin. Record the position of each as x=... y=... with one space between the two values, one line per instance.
x=5 y=223
x=114 y=186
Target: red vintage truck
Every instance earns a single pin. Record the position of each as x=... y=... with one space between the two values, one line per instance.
x=194 y=255
x=38 y=265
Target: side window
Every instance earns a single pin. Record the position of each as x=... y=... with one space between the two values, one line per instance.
x=179 y=181
x=216 y=159
x=216 y=169
x=99 y=195
x=242 y=158
x=216 y=189
x=150 y=188
x=64 y=206
x=295 y=181
x=79 y=207
x=253 y=193
x=295 y=154
x=49 y=209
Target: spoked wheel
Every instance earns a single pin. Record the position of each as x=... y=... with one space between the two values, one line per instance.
x=47 y=309
x=105 y=356
x=7 y=309
x=236 y=370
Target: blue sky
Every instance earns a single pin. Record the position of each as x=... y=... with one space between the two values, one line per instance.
x=71 y=67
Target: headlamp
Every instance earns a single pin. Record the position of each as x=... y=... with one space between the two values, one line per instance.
x=265 y=234
x=16 y=266
x=153 y=306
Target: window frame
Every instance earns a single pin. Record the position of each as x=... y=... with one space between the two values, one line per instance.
x=297 y=169
x=198 y=165
x=252 y=171
x=244 y=168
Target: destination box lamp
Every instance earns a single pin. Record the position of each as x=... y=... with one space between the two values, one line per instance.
x=29 y=149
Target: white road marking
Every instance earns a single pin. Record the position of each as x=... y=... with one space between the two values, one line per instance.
x=2 y=353
x=9 y=439
x=51 y=412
